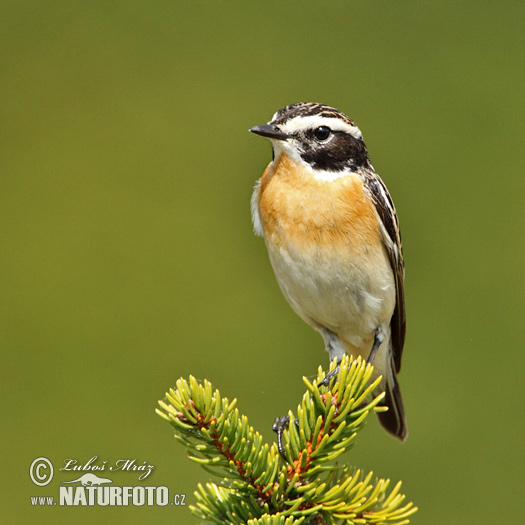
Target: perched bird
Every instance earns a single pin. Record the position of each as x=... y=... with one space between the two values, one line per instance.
x=333 y=239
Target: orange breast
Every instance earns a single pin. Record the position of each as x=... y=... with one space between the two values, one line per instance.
x=298 y=209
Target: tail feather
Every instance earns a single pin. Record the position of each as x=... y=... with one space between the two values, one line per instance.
x=394 y=420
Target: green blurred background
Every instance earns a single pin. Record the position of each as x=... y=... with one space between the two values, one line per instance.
x=128 y=258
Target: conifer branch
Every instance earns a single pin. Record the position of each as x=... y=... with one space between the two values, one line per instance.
x=257 y=486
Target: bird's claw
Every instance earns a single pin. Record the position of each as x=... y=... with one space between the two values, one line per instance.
x=329 y=377
x=278 y=427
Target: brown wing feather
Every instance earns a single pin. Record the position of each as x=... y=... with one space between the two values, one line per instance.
x=390 y=229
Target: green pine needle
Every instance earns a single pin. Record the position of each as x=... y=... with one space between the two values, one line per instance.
x=257 y=487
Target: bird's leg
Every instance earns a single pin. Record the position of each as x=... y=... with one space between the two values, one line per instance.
x=335 y=349
x=279 y=425
x=379 y=337
x=333 y=346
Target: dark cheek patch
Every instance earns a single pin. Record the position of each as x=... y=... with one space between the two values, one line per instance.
x=341 y=152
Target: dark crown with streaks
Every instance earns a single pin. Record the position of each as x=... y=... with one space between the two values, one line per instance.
x=306 y=109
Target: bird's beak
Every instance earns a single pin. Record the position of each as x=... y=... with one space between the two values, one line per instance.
x=270 y=131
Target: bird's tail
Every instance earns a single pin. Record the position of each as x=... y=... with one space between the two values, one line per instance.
x=393 y=420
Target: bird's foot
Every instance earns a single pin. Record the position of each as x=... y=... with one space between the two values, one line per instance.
x=279 y=425
x=329 y=377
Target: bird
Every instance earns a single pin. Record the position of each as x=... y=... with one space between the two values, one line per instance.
x=333 y=240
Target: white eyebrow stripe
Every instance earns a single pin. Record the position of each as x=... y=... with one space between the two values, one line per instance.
x=314 y=121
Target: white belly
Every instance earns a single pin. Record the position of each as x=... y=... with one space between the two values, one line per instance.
x=328 y=290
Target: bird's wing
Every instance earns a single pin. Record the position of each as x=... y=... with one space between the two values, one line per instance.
x=390 y=235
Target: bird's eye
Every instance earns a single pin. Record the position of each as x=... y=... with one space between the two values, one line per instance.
x=322 y=132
